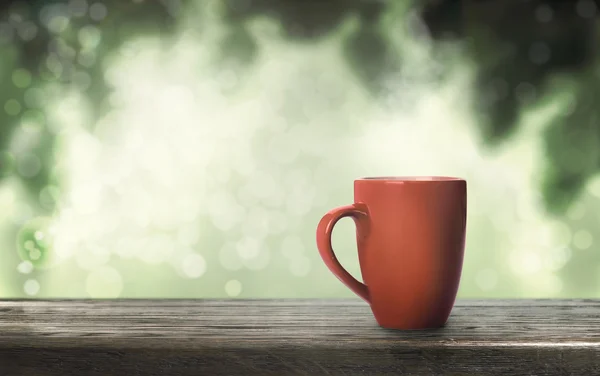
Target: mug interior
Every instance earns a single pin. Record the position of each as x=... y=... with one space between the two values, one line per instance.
x=412 y=178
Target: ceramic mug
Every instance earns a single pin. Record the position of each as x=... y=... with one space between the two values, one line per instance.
x=411 y=235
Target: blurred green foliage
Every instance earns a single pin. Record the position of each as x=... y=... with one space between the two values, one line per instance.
x=523 y=57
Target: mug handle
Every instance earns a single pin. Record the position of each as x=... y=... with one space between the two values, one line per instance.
x=324 y=230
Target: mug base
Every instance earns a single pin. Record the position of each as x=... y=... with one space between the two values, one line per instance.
x=412 y=327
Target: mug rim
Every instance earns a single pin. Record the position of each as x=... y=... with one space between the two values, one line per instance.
x=412 y=179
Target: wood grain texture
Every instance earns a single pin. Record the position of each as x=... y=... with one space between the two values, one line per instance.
x=299 y=337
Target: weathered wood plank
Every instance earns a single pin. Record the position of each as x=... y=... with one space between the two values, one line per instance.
x=152 y=337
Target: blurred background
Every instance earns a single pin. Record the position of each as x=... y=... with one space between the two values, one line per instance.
x=189 y=148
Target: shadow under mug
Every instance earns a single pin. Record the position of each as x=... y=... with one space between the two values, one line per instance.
x=410 y=234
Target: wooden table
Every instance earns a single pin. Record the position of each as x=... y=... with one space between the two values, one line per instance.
x=303 y=337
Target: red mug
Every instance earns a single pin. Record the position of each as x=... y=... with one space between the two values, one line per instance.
x=411 y=236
